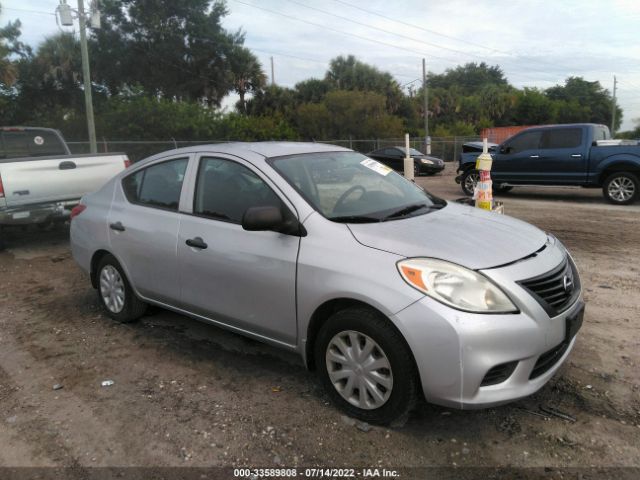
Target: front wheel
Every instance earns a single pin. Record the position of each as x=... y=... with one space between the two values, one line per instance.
x=366 y=366
x=115 y=292
x=469 y=180
x=621 y=188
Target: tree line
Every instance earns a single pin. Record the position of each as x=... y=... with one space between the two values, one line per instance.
x=161 y=69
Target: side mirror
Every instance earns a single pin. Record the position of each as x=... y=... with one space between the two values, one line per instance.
x=505 y=149
x=257 y=219
x=493 y=148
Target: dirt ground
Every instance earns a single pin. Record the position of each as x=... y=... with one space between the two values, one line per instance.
x=190 y=394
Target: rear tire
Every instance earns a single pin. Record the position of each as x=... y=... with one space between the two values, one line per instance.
x=115 y=292
x=621 y=188
x=387 y=373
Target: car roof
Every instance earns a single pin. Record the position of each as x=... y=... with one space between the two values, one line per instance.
x=265 y=149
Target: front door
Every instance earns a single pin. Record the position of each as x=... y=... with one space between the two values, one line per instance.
x=517 y=159
x=243 y=279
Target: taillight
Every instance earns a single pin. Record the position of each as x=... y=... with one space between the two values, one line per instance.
x=77 y=210
x=1 y=188
x=127 y=162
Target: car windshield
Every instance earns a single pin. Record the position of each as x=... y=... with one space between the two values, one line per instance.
x=350 y=187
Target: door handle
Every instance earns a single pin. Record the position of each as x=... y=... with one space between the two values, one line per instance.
x=197 y=242
x=67 y=165
x=534 y=156
x=576 y=155
x=117 y=227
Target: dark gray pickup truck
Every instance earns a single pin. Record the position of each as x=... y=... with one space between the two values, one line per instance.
x=565 y=155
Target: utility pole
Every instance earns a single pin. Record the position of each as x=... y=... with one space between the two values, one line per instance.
x=86 y=77
x=613 y=105
x=273 y=80
x=64 y=13
x=427 y=139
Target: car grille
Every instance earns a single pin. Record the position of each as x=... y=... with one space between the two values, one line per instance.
x=548 y=360
x=555 y=290
x=498 y=374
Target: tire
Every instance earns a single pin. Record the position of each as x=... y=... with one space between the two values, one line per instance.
x=468 y=181
x=394 y=400
x=111 y=279
x=621 y=188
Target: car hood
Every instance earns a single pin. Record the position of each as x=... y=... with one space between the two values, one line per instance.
x=464 y=235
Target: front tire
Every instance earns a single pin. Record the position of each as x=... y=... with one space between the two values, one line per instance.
x=115 y=292
x=621 y=188
x=366 y=366
x=469 y=180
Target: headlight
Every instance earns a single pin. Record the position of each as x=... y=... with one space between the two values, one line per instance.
x=426 y=161
x=455 y=286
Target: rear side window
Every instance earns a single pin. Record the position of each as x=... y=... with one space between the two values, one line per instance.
x=31 y=143
x=157 y=186
x=225 y=190
x=523 y=142
x=562 y=138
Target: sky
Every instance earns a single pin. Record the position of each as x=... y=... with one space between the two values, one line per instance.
x=537 y=43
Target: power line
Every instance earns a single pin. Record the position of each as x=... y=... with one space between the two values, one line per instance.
x=324 y=27
x=360 y=37
x=39 y=12
x=385 y=31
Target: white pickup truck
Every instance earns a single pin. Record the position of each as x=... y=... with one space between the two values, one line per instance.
x=41 y=181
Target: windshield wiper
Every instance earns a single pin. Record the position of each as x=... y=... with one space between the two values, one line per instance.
x=355 y=219
x=408 y=209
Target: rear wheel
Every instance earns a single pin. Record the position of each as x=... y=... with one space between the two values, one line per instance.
x=621 y=188
x=366 y=366
x=115 y=292
x=469 y=181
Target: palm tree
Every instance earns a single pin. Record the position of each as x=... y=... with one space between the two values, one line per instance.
x=59 y=58
x=246 y=73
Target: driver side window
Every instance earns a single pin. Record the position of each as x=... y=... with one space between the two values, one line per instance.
x=226 y=189
x=521 y=143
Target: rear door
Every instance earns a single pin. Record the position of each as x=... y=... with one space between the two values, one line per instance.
x=517 y=159
x=36 y=168
x=143 y=227
x=563 y=156
x=243 y=279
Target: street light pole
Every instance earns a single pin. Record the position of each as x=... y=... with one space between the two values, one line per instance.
x=86 y=77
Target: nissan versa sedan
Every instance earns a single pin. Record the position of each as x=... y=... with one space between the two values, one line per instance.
x=387 y=291
x=394 y=157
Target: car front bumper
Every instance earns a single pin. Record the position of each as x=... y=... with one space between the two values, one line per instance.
x=455 y=350
x=427 y=168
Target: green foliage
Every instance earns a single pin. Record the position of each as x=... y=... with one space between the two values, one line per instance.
x=176 y=50
x=347 y=113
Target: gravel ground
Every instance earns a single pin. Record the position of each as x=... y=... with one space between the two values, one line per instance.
x=190 y=394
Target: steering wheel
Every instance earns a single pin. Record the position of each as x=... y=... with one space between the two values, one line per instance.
x=346 y=194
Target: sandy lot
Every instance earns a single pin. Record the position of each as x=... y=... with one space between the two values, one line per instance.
x=190 y=394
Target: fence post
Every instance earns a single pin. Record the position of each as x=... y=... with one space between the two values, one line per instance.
x=455 y=148
x=350 y=142
x=175 y=144
x=104 y=143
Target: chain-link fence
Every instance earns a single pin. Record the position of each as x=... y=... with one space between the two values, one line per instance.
x=447 y=148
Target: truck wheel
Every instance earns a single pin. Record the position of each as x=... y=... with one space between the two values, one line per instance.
x=115 y=292
x=469 y=180
x=365 y=366
x=621 y=188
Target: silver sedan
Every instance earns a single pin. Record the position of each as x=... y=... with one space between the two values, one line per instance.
x=388 y=292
